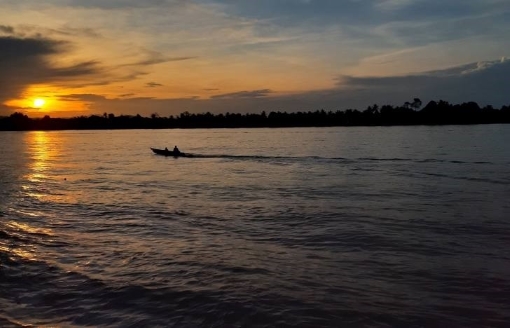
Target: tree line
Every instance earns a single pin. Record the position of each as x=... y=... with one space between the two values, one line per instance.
x=410 y=113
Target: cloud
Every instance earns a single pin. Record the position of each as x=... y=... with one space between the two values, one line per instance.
x=81 y=69
x=154 y=58
x=71 y=31
x=82 y=97
x=22 y=49
x=388 y=5
x=24 y=31
x=484 y=82
x=123 y=4
x=244 y=94
x=153 y=85
x=6 y=29
x=293 y=12
x=27 y=61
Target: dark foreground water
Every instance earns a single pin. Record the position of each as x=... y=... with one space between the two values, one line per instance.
x=336 y=227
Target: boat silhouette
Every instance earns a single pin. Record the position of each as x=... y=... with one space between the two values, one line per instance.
x=167 y=153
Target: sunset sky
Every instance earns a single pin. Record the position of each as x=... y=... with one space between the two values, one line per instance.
x=81 y=57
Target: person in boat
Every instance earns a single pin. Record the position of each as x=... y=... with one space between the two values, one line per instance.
x=176 y=150
x=166 y=150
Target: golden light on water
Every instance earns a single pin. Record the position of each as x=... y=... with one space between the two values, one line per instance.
x=26 y=251
x=39 y=143
x=42 y=182
x=41 y=153
x=26 y=228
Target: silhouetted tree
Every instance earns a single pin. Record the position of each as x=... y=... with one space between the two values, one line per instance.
x=440 y=112
x=416 y=104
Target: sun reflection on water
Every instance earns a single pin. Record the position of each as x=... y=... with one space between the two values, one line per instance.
x=41 y=146
x=25 y=252
x=26 y=228
x=42 y=182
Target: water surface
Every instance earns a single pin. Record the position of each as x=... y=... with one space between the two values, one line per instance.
x=329 y=227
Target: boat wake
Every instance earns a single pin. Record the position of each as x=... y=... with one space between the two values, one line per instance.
x=336 y=159
x=247 y=156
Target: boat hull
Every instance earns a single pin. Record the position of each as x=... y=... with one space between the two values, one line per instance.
x=170 y=153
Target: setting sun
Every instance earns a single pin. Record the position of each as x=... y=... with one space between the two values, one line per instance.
x=38 y=103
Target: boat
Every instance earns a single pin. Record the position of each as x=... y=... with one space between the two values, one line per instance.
x=166 y=152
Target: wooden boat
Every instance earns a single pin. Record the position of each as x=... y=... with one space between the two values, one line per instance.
x=166 y=152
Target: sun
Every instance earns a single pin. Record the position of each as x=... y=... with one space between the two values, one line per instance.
x=39 y=102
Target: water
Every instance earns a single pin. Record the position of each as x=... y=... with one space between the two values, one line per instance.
x=330 y=227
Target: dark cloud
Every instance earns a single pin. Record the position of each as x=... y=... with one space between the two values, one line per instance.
x=106 y=79
x=22 y=62
x=33 y=31
x=157 y=58
x=142 y=98
x=7 y=29
x=30 y=48
x=27 y=61
x=153 y=85
x=483 y=82
x=70 y=31
x=244 y=94
x=87 y=97
x=85 y=68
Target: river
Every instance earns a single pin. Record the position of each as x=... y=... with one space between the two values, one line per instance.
x=300 y=227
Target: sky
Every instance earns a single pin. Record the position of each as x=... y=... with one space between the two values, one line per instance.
x=68 y=58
